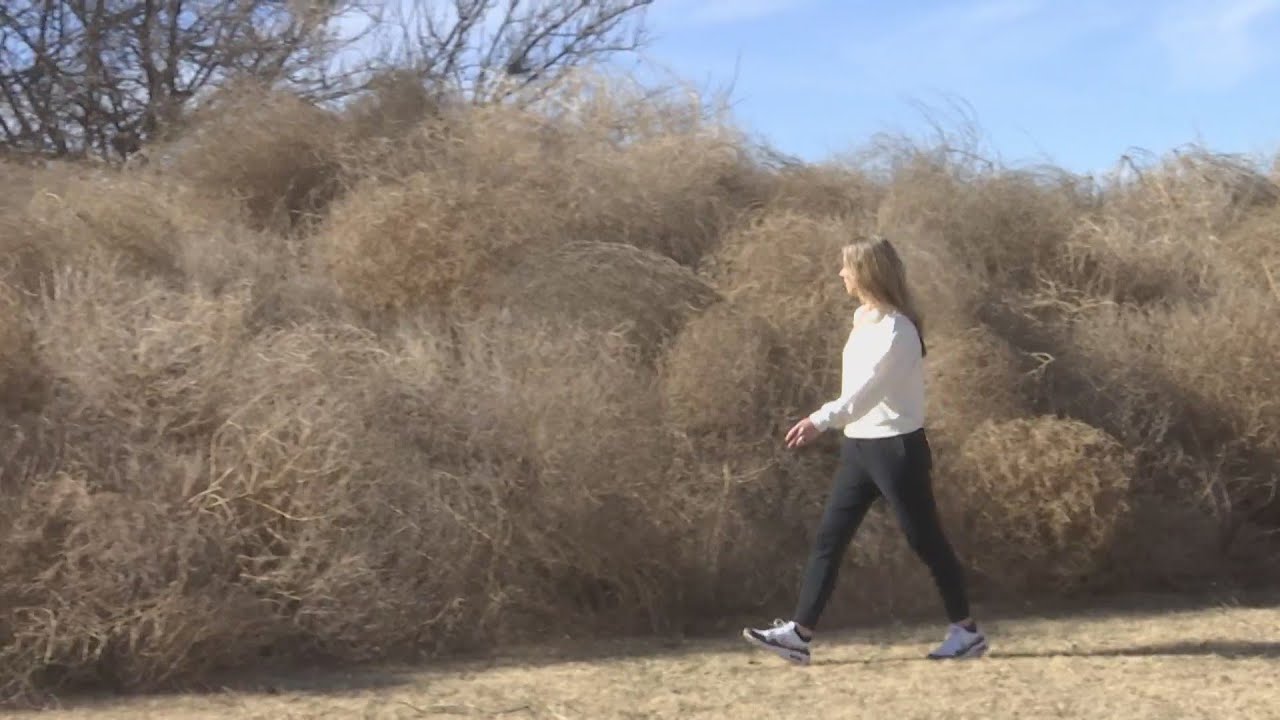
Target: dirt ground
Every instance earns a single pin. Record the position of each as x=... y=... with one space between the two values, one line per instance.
x=1221 y=662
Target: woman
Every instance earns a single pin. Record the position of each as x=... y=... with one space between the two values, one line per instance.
x=884 y=453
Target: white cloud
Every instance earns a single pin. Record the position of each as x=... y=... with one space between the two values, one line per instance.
x=1216 y=46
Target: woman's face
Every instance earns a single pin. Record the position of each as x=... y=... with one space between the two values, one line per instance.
x=846 y=275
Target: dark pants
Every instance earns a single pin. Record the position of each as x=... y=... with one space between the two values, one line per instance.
x=896 y=468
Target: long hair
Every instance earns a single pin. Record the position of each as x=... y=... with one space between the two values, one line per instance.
x=881 y=278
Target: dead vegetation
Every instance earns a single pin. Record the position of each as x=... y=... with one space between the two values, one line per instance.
x=331 y=386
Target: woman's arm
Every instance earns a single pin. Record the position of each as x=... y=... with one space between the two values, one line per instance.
x=885 y=349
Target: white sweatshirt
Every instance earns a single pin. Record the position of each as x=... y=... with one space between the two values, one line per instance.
x=882 y=383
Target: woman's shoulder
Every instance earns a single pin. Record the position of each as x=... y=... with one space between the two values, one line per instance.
x=896 y=325
x=888 y=321
x=899 y=321
x=871 y=315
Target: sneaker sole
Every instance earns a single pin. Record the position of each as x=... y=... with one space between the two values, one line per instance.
x=972 y=653
x=795 y=657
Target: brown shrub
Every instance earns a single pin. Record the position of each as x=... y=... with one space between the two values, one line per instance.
x=667 y=194
x=422 y=241
x=786 y=255
x=18 y=181
x=30 y=249
x=609 y=166
x=653 y=169
x=824 y=189
x=1043 y=498
x=491 y=146
x=1174 y=230
x=727 y=373
x=784 y=267
x=500 y=188
x=1249 y=252
x=1214 y=413
x=788 y=264
x=206 y=496
x=1006 y=227
x=137 y=220
x=394 y=102
x=562 y=425
x=1172 y=539
x=606 y=287
x=1238 y=385
x=276 y=153
x=99 y=591
x=1113 y=258
x=973 y=376
x=115 y=589
x=330 y=511
x=144 y=224
x=1191 y=189
x=137 y=355
x=1105 y=364
x=339 y=492
x=24 y=251
x=22 y=381
x=297 y=293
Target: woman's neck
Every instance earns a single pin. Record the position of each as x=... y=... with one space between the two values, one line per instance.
x=867 y=313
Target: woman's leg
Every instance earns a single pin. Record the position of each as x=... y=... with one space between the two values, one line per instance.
x=852 y=494
x=901 y=468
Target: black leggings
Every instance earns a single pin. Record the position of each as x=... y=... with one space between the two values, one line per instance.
x=896 y=468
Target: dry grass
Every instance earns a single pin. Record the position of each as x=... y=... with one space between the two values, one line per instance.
x=143 y=223
x=787 y=255
x=608 y=287
x=1044 y=497
x=1003 y=227
x=973 y=376
x=719 y=375
x=412 y=377
x=22 y=380
x=277 y=154
x=464 y=195
x=1144 y=665
x=826 y=189
x=419 y=242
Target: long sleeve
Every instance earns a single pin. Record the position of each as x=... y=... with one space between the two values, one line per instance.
x=870 y=362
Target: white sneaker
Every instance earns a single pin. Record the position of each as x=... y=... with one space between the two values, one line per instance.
x=961 y=644
x=781 y=639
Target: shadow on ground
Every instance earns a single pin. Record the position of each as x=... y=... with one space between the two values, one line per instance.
x=331 y=681
x=1234 y=650
x=1238 y=650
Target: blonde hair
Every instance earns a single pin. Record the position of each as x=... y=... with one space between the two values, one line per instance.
x=881 y=278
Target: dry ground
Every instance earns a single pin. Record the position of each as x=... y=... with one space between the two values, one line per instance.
x=1219 y=662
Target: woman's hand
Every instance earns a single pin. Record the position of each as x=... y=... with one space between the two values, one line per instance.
x=801 y=434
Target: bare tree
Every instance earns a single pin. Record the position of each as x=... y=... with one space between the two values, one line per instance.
x=487 y=49
x=103 y=76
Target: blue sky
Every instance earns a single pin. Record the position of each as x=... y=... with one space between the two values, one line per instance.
x=1074 y=82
